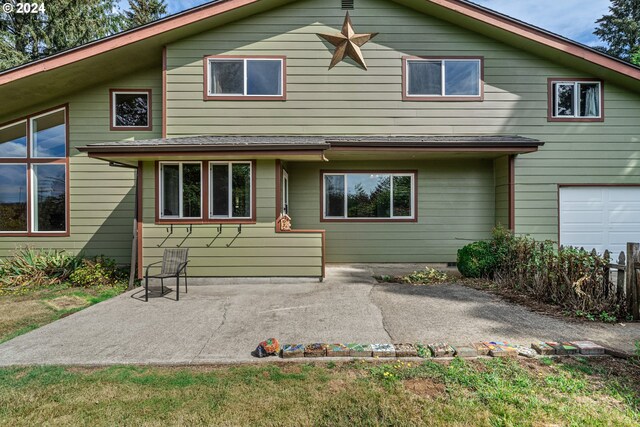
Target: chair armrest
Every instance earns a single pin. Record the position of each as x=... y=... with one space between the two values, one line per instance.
x=151 y=265
x=182 y=266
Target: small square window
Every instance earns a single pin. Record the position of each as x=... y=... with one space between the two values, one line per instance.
x=578 y=100
x=244 y=78
x=131 y=110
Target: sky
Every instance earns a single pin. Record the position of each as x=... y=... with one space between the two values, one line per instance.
x=574 y=19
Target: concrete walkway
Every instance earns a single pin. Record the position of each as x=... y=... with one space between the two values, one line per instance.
x=223 y=322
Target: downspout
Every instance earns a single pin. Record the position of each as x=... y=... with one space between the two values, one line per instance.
x=134 y=243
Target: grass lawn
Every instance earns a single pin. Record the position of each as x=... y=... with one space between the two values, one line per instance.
x=487 y=392
x=22 y=313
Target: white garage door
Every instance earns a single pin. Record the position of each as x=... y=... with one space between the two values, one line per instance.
x=599 y=217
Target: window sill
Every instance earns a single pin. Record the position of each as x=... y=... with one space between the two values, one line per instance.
x=245 y=98
x=131 y=128
x=372 y=220
x=32 y=234
x=576 y=119
x=406 y=97
x=195 y=221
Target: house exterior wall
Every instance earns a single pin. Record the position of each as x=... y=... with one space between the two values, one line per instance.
x=501 y=182
x=258 y=251
x=455 y=206
x=101 y=197
x=348 y=100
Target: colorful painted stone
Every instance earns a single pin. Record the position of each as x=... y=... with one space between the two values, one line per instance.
x=337 y=350
x=569 y=348
x=465 y=352
x=543 y=348
x=423 y=350
x=441 y=349
x=383 y=350
x=496 y=350
x=359 y=350
x=405 y=350
x=525 y=351
x=292 y=350
x=481 y=348
x=315 y=350
x=557 y=348
x=588 y=348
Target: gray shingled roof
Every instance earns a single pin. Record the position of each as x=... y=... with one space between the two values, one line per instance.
x=273 y=143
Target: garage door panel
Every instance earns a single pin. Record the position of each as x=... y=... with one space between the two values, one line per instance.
x=599 y=217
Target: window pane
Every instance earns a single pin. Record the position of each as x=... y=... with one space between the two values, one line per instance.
x=49 y=188
x=462 y=78
x=589 y=99
x=49 y=135
x=13 y=140
x=220 y=190
x=227 y=77
x=170 y=190
x=425 y=78
x=401 y=196
x=264 y=77
x=564 y=99
x=334 y=195
x=368 y=196
x=13 y=197
x=241 y=191
x=132 y=109
x=191 y=191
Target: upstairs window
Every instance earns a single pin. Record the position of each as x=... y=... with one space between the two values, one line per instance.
x=575 y=100
x=34 y=175
x=244 y=78
x=442 y=79
x=130 y=109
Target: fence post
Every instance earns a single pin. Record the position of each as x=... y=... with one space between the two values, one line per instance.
x=631 y=282
x=620 y=289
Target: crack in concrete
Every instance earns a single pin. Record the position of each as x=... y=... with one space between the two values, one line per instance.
x=384 y=323
x=225 y=308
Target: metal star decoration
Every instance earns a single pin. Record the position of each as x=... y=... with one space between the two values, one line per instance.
x=347 y=43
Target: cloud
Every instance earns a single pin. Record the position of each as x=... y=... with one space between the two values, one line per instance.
x=573 y=19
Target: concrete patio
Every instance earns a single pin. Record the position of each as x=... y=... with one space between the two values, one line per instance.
x=224 y=321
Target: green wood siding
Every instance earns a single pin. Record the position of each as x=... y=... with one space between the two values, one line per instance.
x=501 y=176
x=101 y=197
x=348 y=100
x=257 y=251
x=456 y=205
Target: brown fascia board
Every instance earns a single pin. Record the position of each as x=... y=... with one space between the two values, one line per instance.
x=419 y=145
x=184 y=148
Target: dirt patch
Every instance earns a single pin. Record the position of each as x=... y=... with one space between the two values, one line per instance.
x=67 y=302
x=424 y=387
x=12 y=312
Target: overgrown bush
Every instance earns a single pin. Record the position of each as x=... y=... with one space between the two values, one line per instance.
x=573 y=279
x=477 y=260
x=99 y=271
x=36 y=268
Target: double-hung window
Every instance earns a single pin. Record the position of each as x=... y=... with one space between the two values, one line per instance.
x=230 y=189
x=575 y=100
x=34 y=175
x=258 y=78
x=369 y=196
x=180 y=190
x=442 y=79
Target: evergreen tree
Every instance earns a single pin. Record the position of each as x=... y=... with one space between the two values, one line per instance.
x=620 y=29
x=63 y=25
x=144 y=11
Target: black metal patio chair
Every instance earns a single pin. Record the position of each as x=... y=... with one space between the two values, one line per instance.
x=174 y=264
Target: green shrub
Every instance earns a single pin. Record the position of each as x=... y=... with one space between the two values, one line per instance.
x=99 y=271
x=477 y=260
x=34 y=268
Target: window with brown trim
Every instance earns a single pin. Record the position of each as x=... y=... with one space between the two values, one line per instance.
x=576 y=100
x=368 y=196
x=244 y=78
x=130 y=109
x=34 y=169
x=442 y=79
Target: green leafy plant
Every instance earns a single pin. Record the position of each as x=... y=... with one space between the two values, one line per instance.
x=33 y=268
x=477 y=260
x=99 y=271
x=427 y=276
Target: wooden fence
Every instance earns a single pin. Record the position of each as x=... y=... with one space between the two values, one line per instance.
x=624 y=277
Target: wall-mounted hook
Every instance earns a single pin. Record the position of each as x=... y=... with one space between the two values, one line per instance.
x=189 y=231
x=170 y=231
x=216 y=237
x=236 y=236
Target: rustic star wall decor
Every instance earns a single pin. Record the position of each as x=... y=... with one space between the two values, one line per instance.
x=347 y=43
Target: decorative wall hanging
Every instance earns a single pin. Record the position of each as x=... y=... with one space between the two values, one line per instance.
x=347 y=43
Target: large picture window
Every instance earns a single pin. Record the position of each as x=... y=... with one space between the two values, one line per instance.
x=230 y=190
x=34 y=175
x=434 y=79
x=575 y=100
x=244 y=78
x=181 y=190
x=369 y=196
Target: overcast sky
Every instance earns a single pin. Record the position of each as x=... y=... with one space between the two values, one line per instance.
x=574 y=19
